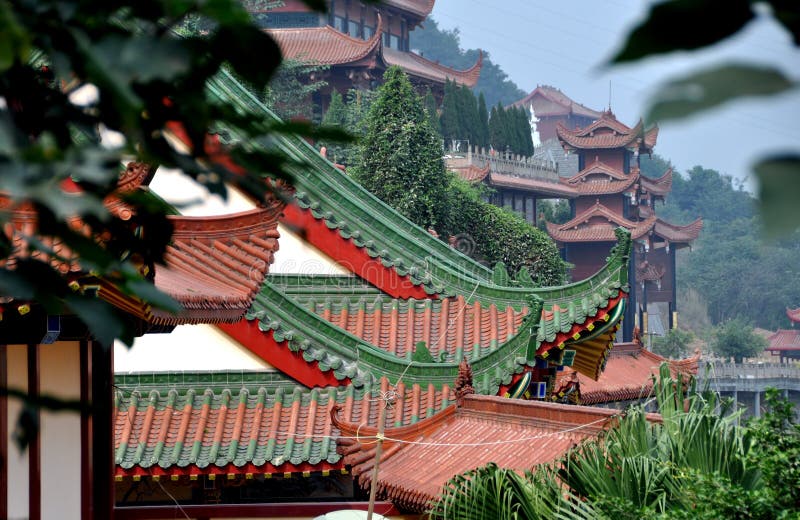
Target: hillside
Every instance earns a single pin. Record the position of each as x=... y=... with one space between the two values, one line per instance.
x=445 y=46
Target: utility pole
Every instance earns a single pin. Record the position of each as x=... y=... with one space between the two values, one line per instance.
x=373 y=488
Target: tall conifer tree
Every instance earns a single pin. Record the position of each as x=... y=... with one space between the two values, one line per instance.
x=400 y=157
x=483 y=122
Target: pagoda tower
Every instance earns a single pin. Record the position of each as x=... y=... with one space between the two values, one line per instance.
x=356 y=42
x=611 y=193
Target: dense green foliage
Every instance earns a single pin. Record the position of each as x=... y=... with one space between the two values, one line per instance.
x=289 y=93
x=732 y=267
x=445 y=46
x=718 y=83
x=494 y=234
x=129 y=55
x=696 y=463
x=510 y=130
x=400 y=158
x=462 y=118
x=349 y=115
x=674 y=345
x=736 y=339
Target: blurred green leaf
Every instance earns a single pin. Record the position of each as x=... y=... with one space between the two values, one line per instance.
x=15 y=43
x=149 y=293
x=251 y=52
x=711 y=87
x=779 y=193
x=684 y=25
x=105 y=323
x=141 y=58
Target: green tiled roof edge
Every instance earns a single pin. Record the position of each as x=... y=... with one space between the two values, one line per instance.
x=392 y=238
x=350 y=357
x=406 y=241
x=220 y=454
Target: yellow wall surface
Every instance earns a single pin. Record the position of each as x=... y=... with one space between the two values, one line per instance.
x=59 y=376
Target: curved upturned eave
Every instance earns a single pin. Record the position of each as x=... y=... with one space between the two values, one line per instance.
x=415 y=65
x=325 y=45
x=361 y=219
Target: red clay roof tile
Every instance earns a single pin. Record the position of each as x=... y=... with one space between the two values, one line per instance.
x=421 y=8
x=784 y=339
x=628 y=375
x=445 y=326
x=557 y=97
x=213 y=268
x=559 y=189
x=416 y=65
x=607 y=132
x=660 y=186
x=678 y=234
x=419 y=459
x=174 y=424
x=325 y=45
x=600 y=179
x=597 y=224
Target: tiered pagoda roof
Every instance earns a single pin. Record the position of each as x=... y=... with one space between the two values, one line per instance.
x=793 y=315
x=597 y=224
x=350 y=224
x=558 y=103
x=328 y=46
x=629 y=374
x=607 y=133
x=244 y=243
x=658 y=187
x=421 y=8
x=600 y=179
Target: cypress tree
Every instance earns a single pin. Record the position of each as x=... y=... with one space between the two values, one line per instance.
x=483 y=122
x=449 y=118
x=336 y=115
x=494 y=129
x=400 y=157
x=431 y=109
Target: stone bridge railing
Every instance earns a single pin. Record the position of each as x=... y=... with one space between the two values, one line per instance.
x=746 y=382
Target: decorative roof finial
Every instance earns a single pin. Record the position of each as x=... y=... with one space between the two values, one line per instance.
x=464 y=381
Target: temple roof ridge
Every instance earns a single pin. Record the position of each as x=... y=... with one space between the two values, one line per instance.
x=325 y=45
x=333 y=202
x=417 y=65
x=556 y=96
x=612 y=134
x=240 y=245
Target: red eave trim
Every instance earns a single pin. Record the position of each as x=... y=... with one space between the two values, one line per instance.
x=353 y=258
x=564 y=336
x=277 y=354
x=228 y=469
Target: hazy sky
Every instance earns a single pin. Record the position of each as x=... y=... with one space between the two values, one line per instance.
x=565 y=44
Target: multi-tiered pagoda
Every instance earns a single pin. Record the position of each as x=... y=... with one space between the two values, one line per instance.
x=357 y=42
x=611 y=193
